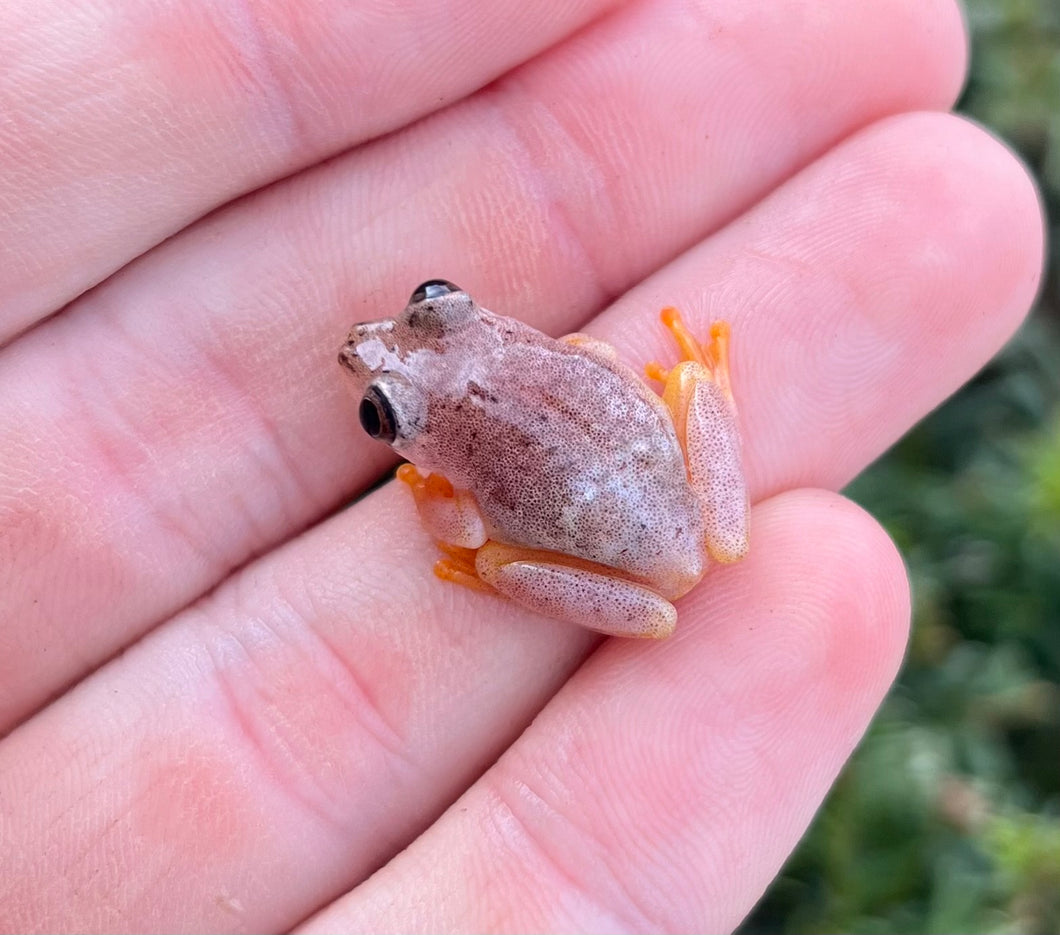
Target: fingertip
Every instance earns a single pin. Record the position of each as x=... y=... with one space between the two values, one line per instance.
x=947 y=46
x=828 y=589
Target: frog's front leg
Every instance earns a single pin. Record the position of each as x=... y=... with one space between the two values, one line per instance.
x=451 y=516
x=591 y=345
x=699 y=396
x=453 y=519
x=569 y=588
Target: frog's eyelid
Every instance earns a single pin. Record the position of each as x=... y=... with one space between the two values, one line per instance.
x=433 y=289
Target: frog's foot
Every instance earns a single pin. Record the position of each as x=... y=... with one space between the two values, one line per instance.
x=459 y=568
x=698 y=394
x=569 y=588
x=450 y=515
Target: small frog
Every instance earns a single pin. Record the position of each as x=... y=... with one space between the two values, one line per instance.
x=554 y=475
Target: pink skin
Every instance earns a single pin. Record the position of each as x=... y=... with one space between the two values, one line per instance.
x=261 y=753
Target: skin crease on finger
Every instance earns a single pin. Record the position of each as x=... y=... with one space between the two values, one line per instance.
x=191 y=420
x=303 y=717
x=110 y=106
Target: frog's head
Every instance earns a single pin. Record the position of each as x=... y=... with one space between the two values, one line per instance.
x=396 y=364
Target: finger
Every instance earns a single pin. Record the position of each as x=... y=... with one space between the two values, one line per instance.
x=663 y=787
x=330 y=699
x=194 y=414
x=141 y=118
x=861 y=295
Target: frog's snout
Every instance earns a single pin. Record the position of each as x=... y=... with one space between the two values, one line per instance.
x=351 y=356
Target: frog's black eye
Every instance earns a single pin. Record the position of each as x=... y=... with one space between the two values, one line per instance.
x=377 y=415
x=433 y=289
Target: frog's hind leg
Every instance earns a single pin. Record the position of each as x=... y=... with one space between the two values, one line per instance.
x=698 y=393
x=572 y=589
x=547 y=582
x=459 y=568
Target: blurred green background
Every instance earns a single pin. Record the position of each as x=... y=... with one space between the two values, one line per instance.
x=947 y=819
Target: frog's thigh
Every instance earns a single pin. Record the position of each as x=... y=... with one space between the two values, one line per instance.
x=705 y=419
x=448 y=514
x=562 y=587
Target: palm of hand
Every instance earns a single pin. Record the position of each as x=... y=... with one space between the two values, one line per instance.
x=308 y=701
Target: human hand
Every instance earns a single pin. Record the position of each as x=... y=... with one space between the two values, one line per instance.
x=177 y=437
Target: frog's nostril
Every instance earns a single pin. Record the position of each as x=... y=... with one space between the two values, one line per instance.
x=348 y=356
x=433 y=289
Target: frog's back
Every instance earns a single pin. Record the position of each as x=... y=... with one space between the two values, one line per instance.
x=569 y=452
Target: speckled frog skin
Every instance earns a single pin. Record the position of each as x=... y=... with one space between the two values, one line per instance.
x=556 y=476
